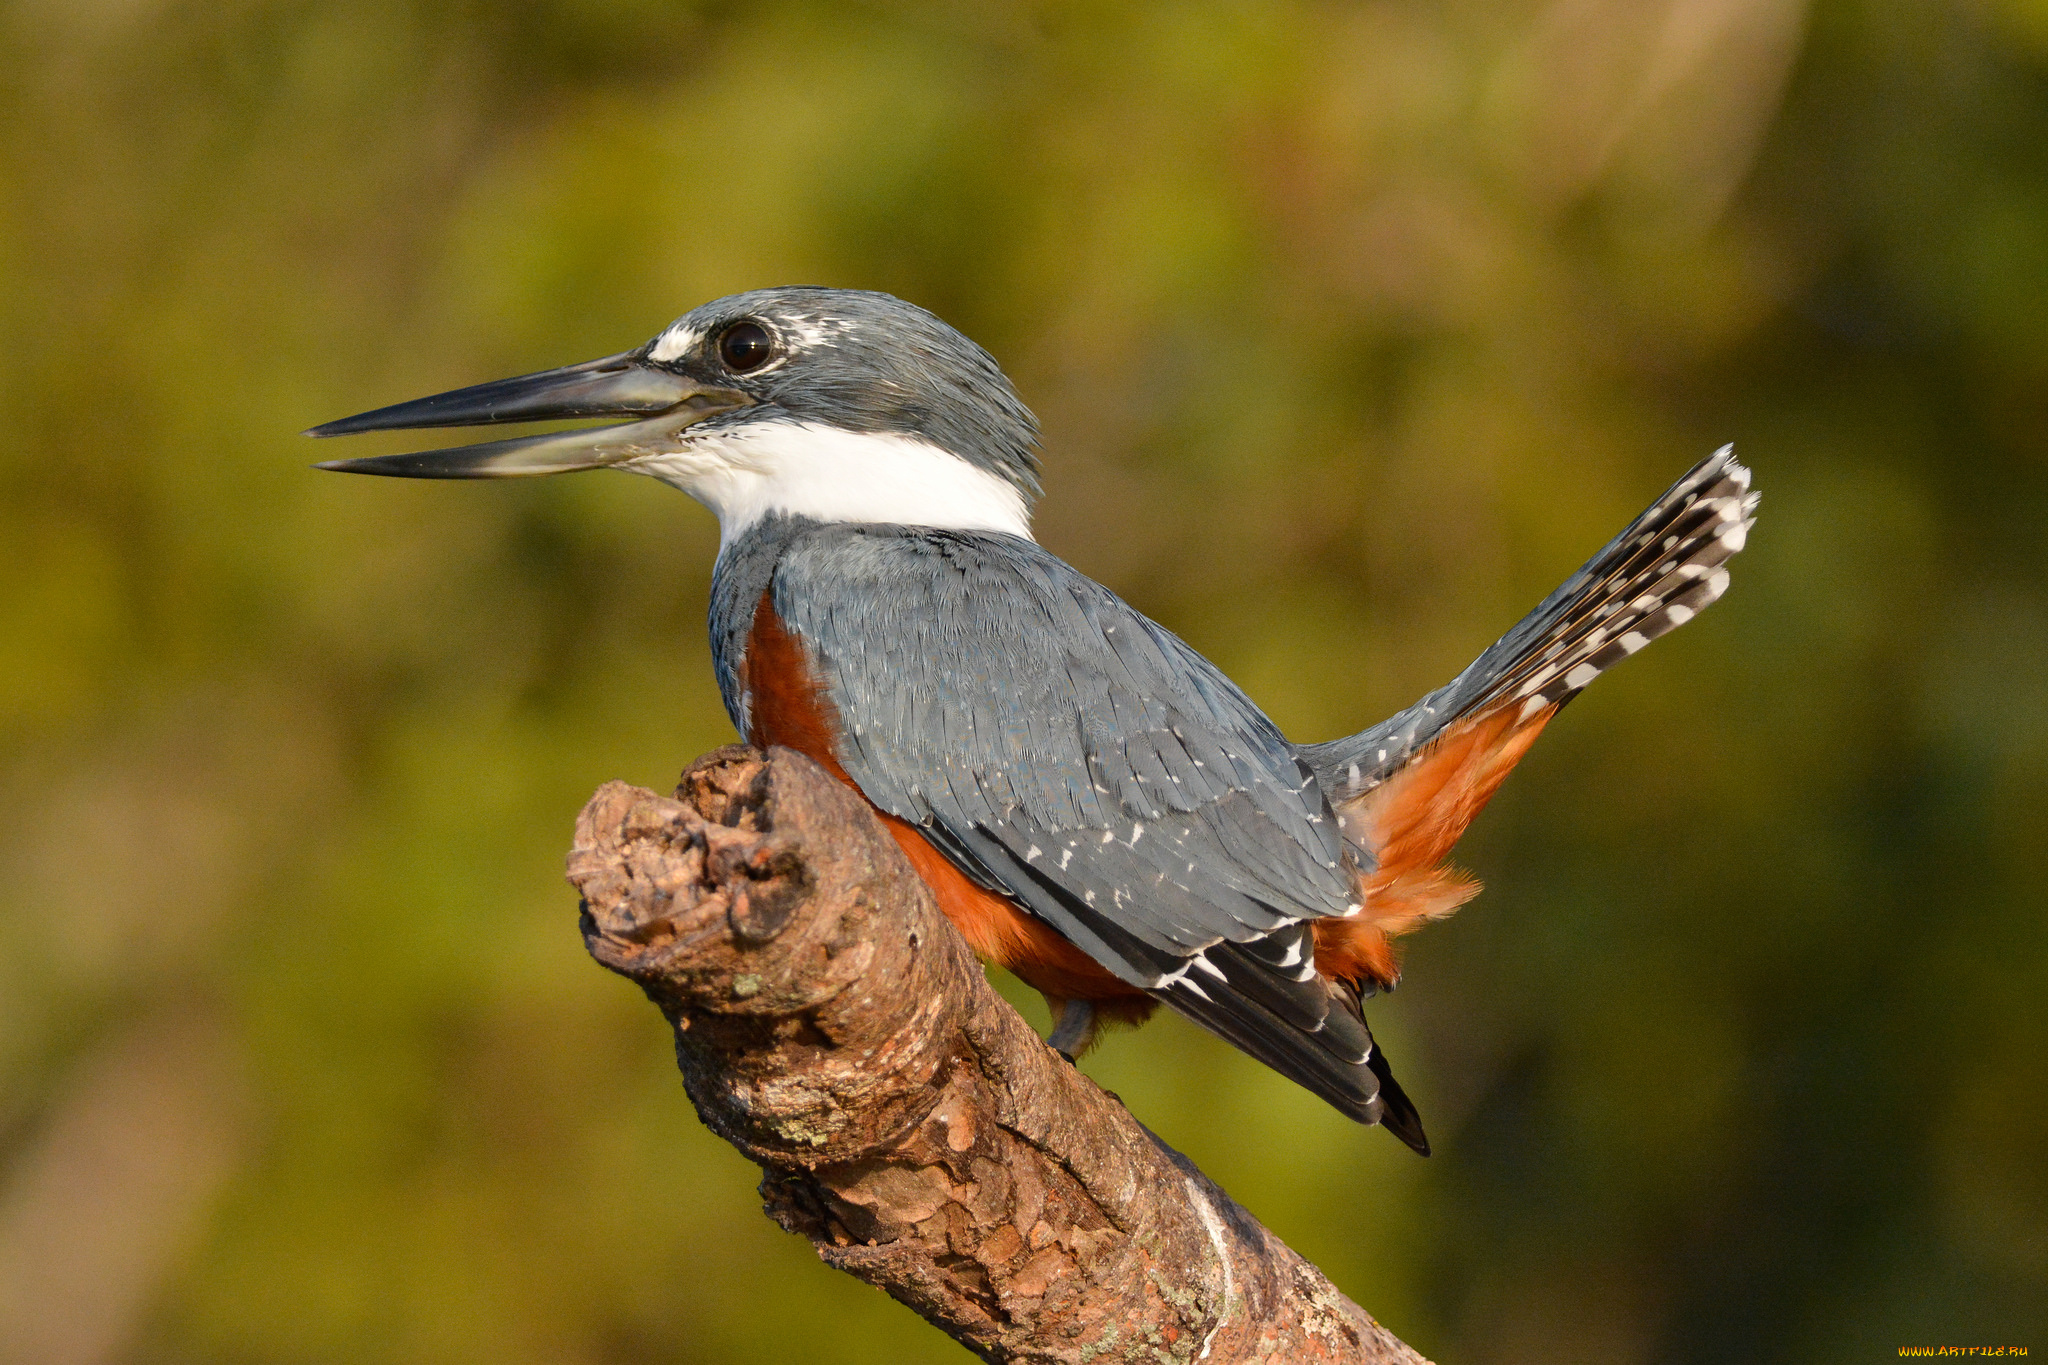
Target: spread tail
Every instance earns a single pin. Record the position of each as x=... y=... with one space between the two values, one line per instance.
x=1407 y=788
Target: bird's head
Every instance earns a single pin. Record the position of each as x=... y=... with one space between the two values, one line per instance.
x=835 y=404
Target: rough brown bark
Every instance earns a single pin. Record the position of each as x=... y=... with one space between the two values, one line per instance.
x=836 y=1029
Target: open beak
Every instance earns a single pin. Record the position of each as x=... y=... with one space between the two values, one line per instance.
x=625 y=385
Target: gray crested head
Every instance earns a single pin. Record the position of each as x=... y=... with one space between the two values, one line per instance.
x=856 y=361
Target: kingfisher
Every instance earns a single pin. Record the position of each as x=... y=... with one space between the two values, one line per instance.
x=1093 y=804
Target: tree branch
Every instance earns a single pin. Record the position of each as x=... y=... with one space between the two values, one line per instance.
x=836 y=1029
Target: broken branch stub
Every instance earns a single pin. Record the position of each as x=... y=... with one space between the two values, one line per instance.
x=836 y=1029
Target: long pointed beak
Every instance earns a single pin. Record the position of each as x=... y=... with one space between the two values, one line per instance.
x=624 y=385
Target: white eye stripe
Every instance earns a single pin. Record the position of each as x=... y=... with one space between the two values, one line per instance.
x=676 y=342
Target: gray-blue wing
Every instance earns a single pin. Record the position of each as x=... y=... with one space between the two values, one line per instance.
x=1044 y=727
x=1065 y=750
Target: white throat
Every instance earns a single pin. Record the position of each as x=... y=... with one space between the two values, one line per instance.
x=833 y=475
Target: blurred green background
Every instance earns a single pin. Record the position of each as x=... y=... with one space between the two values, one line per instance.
x=1353 y=328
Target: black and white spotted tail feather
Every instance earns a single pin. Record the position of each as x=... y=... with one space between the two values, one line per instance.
x=1664 y=569
x=1307 y=1028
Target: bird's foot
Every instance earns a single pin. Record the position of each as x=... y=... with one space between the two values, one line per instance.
x=1075 y=1030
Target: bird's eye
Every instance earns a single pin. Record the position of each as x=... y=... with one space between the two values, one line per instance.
x=745 y=346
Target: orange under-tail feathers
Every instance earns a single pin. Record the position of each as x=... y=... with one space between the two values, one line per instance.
x=1668 y=566
x=1410 y=821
